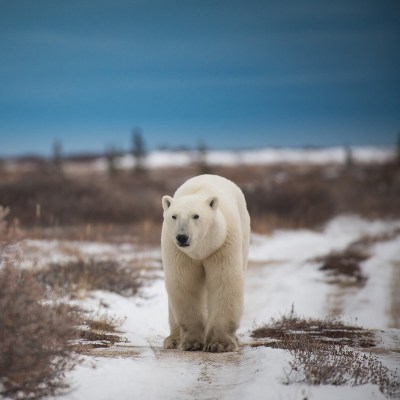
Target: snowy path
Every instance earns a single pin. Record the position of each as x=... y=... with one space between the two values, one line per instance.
x=280 y=275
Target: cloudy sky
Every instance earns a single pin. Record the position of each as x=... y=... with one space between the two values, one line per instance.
x=232 y=74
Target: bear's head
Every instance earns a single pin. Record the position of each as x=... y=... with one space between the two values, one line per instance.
x=194 y=223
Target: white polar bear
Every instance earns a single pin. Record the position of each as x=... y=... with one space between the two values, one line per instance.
x=205 y=243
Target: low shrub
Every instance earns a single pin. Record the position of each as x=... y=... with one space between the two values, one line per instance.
x=83 y=276
x=336 y=364
x=327 y=352
x=35 y=338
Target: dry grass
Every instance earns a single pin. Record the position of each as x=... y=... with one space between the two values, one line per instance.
x=35 y=338
x=97 y=339
x=53 y=200
x=77 y=278
x=40 y=338
x=367 y=241
x=303 y=202
x=97 y=208
x=345 y=267
x=278 y=196
x=336 y=364
x=101 y=332
x=327 y=352
x=282 y=333
x=104 y=323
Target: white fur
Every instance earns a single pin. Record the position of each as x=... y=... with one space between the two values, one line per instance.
x=205 y=279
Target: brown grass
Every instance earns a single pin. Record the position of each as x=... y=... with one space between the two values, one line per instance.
x=53 y=200
x=105 y=324
x=101 y=332
x=346 y=266
x=327 y=352
x=304 y=203
x=93 y=339
x=278 y=196
x=79 y=277
x=282 y=333
x=35 y=338
x=337 y=364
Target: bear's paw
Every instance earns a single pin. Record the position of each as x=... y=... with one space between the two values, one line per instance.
x=171 y=342
x=191 y=345
x=224 y=345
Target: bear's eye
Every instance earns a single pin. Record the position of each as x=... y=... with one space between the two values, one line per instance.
x=174 y=217
x=196 y=216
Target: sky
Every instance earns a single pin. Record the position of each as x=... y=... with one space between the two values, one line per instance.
x=229 y=74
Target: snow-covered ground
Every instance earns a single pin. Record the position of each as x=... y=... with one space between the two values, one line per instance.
x=282 y=272
x=264 y=156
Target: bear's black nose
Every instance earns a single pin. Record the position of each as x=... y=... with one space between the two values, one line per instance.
x=182 y=240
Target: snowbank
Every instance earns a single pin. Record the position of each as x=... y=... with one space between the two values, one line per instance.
x=266 y=156
x=281 y=273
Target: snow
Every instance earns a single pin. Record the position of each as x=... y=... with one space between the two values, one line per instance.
x=302 y=245
x=164 y=375
x=40 y=253
x=272 y=290
x=282 y=272
x=250 y=374
x=144 y=317
x=263 y=156
x=125 y=378
x=374 y=296
x=285 y=272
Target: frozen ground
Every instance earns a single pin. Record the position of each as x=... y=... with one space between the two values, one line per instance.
x=282 y=272
x=266 y=156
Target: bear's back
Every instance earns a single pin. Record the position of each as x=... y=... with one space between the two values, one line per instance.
x=231 y=199
x=213 y=185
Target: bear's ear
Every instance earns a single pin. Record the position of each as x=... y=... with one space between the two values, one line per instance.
x=166 y=202
x=213 y=202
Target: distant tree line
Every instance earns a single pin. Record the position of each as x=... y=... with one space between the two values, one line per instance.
x=139 y=153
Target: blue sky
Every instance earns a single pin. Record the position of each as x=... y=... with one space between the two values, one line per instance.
x=229 y=73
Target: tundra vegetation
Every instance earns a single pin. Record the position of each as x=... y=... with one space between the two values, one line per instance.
x=43 y=330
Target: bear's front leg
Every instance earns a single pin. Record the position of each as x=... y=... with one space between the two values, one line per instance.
x=173 y=340
x=184 y=280
x=224 y=280
x=188 y=333
x=192 y=337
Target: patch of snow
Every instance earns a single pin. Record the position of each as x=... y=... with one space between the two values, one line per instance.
x=304 y=244
x=145 y=317
x=145 y=376
x=272 y=290
x=330 y=392
x=40 y=253
x=280 y=274
x=371 y=304
x=251 y=374
x=265 y=156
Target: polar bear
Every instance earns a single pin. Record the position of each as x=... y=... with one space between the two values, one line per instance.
x=205 y=243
